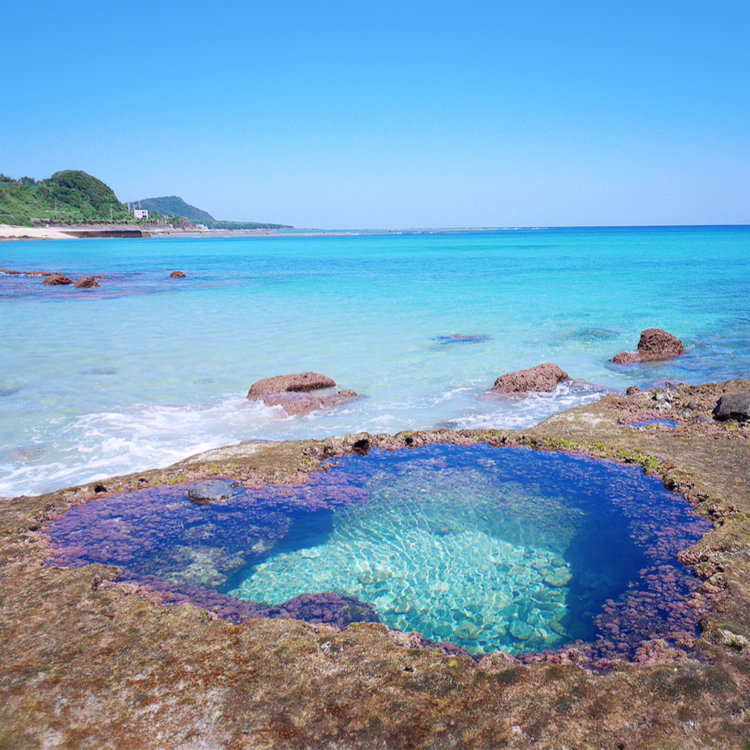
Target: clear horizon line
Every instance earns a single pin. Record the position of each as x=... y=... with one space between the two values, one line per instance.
x=512 y=227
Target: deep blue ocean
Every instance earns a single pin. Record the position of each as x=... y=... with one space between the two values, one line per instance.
x=147 y=370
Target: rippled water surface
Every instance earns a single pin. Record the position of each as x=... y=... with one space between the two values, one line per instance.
x=147 y=370
x=490 y=549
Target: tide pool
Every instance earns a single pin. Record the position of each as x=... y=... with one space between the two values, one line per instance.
x=147 y=370
x=491 y=549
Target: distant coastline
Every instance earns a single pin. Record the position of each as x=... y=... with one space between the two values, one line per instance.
x=10 y=232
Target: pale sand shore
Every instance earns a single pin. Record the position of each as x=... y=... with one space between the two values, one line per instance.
x=8 y=232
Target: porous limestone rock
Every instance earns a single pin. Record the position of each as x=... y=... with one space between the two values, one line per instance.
x=88 y=282
x=294 y=392
x=57 y=279
x=540 y=379
x=654 y=344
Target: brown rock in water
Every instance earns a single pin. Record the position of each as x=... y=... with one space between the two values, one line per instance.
x=177 y=275
x=296 y=403
x=294 y=392
x=654 y=344
x=296 y=382
x=57 y=279
x=542 y=378
x=88 y=282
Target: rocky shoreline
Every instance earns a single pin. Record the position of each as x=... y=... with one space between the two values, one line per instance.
x=88 y=660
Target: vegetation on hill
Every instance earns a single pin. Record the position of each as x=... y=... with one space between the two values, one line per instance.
x=174 y=206
x=74 y=197
x=68 y=197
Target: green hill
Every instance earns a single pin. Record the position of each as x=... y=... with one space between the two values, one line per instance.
x=68 y=197
x=173 y=206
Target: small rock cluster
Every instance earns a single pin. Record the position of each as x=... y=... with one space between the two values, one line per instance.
x=59 y=279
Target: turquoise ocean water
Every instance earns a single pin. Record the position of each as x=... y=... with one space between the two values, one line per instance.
x=147 y=370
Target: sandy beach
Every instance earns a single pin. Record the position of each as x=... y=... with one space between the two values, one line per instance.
x=8 y=232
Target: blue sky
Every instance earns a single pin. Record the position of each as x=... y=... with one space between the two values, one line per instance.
x=391 y=114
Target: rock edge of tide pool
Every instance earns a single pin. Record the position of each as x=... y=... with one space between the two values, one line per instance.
x=92 y=662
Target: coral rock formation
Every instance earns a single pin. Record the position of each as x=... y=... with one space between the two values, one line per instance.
x=654 y=344
x=88 y=282
x=294 y=392
x=57 y=279
x=540 y=379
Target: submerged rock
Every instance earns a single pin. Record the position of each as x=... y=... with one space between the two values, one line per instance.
x=214 y=491
x=520 y=630
x=735 y=406
x=327 y=607
x=542 y=378
x=594 y=333
x=462 y=338
x=57 y=279
x=177 y=275
x=88 y=282
x=654 y=344
x=293 y=392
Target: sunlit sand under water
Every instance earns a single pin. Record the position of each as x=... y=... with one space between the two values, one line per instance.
x=488 y=548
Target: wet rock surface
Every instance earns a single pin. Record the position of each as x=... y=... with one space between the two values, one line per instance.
x=299 y=393
x=88 y=661
x=654 y=344
x=177 y=275
x=88 y=282
x=540 y=379
x=57 y=279
x=735 y=406
x=213 y=491
x=301 y=382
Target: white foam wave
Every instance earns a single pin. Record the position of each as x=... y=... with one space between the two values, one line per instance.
x=522 y=412
x=147 y=436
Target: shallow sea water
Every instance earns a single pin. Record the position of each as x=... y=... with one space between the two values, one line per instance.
x=147 y=370
x=491 y=549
